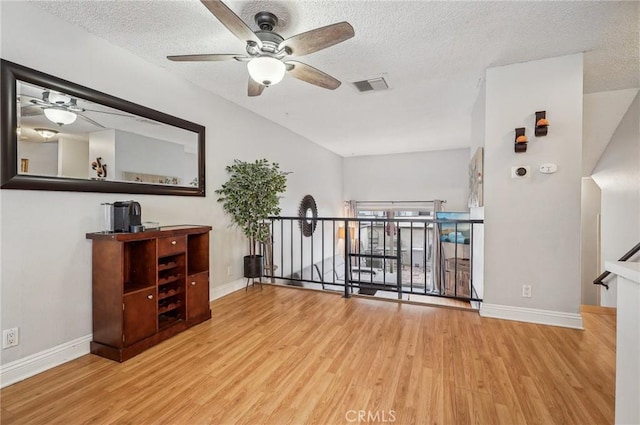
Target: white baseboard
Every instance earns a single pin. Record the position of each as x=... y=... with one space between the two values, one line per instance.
x=227 y=288
x=36 y=363
x=532 y=315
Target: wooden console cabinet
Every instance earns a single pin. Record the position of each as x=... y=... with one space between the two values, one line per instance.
x=147 y=287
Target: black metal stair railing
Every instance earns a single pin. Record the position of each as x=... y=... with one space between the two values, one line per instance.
x=600 y=279
x=405 y=257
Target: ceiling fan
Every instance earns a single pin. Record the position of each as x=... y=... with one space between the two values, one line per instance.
x=267 y=50
x=60 y=108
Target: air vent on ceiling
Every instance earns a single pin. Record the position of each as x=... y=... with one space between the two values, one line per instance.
x=373 y=84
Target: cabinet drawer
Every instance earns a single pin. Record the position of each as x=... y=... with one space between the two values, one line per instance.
x=172 y=245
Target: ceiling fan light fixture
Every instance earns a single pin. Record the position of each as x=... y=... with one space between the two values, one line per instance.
x=46 y=133
x=58 y=98
x=60 y=116
x=266 y=70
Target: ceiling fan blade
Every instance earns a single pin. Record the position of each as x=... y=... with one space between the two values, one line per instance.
x=205 y=58
x=255 y=89
x=104 y=112
x=31 y=111
x=89 y=120
x=232 y=21
x=30 y=97
x=311 y=75
x=317 y=39
x=39 y=102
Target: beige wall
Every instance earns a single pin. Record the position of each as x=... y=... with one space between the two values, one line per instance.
x=618 y=173
x=532 y=225
x=46 y=260
x=589 y=219
x=417 y=176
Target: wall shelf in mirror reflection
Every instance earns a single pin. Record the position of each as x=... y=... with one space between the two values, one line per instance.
x=53 y=130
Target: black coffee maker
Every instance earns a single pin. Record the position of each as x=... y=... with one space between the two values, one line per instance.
x=127 y=216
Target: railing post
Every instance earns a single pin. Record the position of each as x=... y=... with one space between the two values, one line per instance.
x=399 y=261
x=471 y=259
x=455 y=259
x=347 y=260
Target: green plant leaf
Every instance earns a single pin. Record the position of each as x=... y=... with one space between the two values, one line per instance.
x=250 y=196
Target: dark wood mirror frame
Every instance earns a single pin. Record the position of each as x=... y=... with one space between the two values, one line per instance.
x=10 y=178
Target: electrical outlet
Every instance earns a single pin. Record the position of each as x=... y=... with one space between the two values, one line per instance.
x=10 y=338
x=526 y=291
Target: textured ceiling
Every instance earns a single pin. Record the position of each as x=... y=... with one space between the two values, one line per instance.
x=433 y=55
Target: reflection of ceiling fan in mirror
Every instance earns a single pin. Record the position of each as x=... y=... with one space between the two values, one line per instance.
x=266 y=50
x=60 y=108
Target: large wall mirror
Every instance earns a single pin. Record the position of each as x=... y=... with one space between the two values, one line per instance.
x=57 y=135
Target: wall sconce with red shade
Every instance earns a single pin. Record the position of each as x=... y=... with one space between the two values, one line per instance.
x=542 y=123
x=520 y=143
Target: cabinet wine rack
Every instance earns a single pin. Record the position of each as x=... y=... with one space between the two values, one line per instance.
x=147 y=287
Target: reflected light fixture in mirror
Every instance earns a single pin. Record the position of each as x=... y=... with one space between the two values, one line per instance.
x=266 y=70
x=58 y=98
x=45 y=132
x=60 y=116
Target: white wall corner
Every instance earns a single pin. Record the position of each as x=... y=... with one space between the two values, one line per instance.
x=532 y=315
x=220 y=291
x=39 y=362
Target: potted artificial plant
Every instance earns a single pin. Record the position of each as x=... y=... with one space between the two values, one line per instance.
x=250 y=196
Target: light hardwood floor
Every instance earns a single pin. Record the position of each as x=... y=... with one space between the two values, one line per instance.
x=284 y=356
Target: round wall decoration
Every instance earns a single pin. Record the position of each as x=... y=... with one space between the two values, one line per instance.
x=308 y=212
